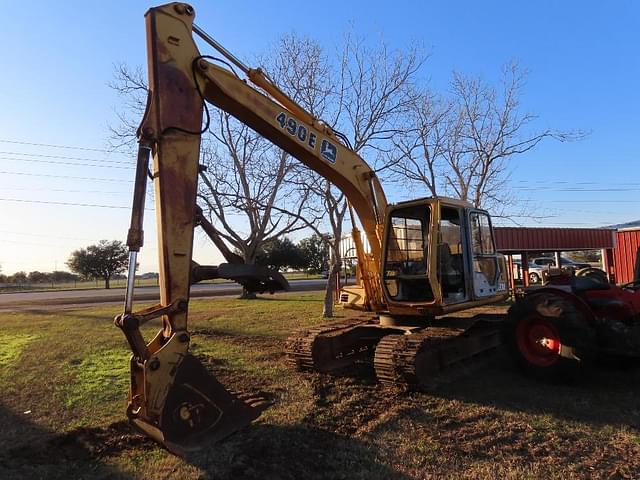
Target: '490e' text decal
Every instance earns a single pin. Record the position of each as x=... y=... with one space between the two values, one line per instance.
x=327 y=149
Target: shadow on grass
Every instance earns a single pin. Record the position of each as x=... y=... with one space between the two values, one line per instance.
x=291 y=452
x=29 y=451
x=603 y=396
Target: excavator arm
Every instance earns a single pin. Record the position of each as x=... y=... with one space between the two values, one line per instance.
x=172 y=396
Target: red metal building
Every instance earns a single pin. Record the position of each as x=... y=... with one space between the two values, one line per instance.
x=525 y=240
x=626 y=255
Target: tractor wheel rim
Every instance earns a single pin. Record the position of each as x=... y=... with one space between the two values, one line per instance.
x=538 y=341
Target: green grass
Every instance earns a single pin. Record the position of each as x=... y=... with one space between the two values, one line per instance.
x=12 y=345
x=69 y=370
x=276 y=315
x=97 y=378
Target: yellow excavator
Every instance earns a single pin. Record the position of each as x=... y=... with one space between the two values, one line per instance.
x=427 y=258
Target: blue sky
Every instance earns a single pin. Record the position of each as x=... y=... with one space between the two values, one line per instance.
x=58 y=58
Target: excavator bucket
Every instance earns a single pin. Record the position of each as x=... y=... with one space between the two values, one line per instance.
x=199 y=410
x=255 y=278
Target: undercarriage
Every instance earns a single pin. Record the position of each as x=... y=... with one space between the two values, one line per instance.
x=416 y=355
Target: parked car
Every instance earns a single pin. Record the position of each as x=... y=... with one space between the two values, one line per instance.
x=535 y=271
x=543 y=262
x=564 y=261
x=567 y=262
x=540 y=264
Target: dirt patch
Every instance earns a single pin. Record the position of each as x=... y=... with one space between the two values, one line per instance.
x=81 y=444
x=352 y=403
x=210 y=362
x=102 y=442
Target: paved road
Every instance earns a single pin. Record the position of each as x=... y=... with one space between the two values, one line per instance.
x=66 y=297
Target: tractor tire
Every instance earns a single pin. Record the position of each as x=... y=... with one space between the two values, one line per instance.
x=596 y=274
x=548 y=337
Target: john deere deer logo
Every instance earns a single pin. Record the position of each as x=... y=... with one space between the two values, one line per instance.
x=329 y=151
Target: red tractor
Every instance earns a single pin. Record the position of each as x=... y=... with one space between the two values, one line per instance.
x=554 y=330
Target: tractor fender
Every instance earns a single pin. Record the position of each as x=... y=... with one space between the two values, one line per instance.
x=611 y=308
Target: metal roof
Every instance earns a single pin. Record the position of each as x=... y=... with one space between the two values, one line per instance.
x=523 y=239
x=446 y=200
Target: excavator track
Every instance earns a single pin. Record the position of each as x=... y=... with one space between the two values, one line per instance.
x=431 y=356
x=333 y=345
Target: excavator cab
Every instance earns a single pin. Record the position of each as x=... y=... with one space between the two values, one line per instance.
x=439 y=255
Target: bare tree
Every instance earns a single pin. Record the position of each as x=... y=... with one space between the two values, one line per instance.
x=489 y=130
x=421 y=150
x=324 y=210
x=303 y=71
x=364 y=95
x=131 y=86
x=462 y=146
x=245 y=184
x=375 y=93
x=244 y=179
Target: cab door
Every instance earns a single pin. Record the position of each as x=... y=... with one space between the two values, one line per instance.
x=405 y=268
x=487 y=277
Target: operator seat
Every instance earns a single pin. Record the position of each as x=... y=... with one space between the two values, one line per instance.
x=450 y=276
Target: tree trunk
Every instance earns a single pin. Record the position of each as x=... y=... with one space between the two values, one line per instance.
x=246 y=295
x=249 y=259
x=327 y=309
x=106 y=283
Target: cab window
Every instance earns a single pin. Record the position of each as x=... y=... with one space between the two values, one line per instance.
x=406 y=266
